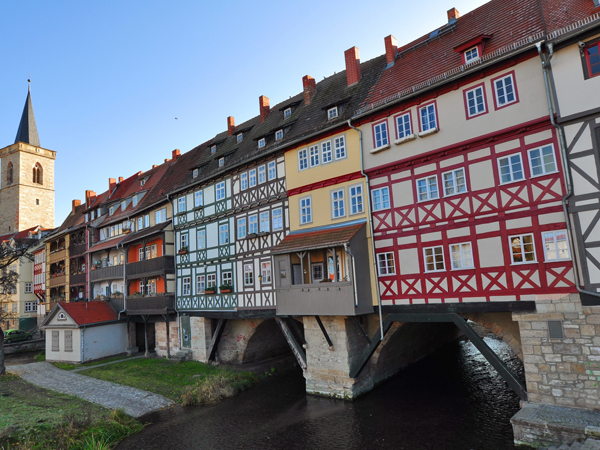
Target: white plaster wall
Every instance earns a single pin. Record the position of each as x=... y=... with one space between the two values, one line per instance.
x=61 y=355
x=105 y=340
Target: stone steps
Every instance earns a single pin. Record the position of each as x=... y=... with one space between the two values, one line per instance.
x=589 y=444
x=181 y=355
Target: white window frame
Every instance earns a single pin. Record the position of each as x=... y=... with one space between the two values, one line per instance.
x=544 y=171
x=211 y=280
x=461 y=252
x=472 y=54
x=261 y=142
x=326 y=152
x=305 y=210
x=200 y=284
x=160 y=216
x=428 y=124
x=340 y=147
x=28 y=288
x=140 y=223
x=183 y=241
x=30 y=306
x=277 y=218
x=213 y=150
x=303 y=159
x=332 y=113
x=380 y=134
x=134 y=201
x=454 y=187
x=429 y=181
x=381 y=193
x=272 y=170
x=248 y=274
x=510 y=166
x=265 y=222
x=384 y=268
x=510 y=246
x=499 y=102
x=338 y=203
x=198 y=198
x=220 y=191
x=279 y=135
x=239 y=138
x=221 y=162
x=227 y=277
x=186 y=286
x=355 y=199
x=253 y=224
x=201 y=238
x=404 y=125
x=265 y=271
x=262 y=175
x=195 y=173
x=146 y=220
x=314 y=155
x=223 y=233
x=241 y=228
x=477 y=91
x=181 y=204
x=287 y=112
x=435 y=260
x=244 y=181
x=252 y=178
x=555 y=241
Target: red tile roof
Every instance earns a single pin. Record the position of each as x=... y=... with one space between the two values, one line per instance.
x=87 y=313
x=311 y=240
x=111 y=243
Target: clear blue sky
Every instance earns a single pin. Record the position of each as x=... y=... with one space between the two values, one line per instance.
x=109 y=78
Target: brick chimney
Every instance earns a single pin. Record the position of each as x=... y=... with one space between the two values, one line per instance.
x=89 y=196
x=112 y=183
x=230 y=125
x=310 y=88
x=176 y=154
x=120 y=179
x=264 y=107
x=453 y=14
x=75 y=204
x=352 y=65
x=391 y=49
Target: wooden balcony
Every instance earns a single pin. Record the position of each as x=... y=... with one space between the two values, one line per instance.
x=157 y=304
x=118 y=303
x=78 y=278
x=107 y=273
x=150 y=267
x=75 y=250
x=57 y=256
x=57 y=281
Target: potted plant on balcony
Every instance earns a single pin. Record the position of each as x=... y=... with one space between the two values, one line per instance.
x=210 y=290
x=182 y=251
x=126 y=230
x=225 y=288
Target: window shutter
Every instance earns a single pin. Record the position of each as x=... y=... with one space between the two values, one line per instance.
x=68 y=341
x=55 y=344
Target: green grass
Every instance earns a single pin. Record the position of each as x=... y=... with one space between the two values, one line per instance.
x=168 y=378
x=69 y=366
x=40 y=357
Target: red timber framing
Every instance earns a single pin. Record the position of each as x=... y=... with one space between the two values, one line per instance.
x=484 y=216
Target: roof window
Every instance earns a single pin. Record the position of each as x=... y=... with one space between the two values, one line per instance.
x=213 y=150
x=221 y=162
x=471 y=54
x=278 y=135
x=240 y=137
x=287 y=112
x=195 y=173
x=261 y=143
x=332 y=113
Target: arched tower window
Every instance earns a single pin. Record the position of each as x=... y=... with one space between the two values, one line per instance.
x=38 y=174
x=9 y=173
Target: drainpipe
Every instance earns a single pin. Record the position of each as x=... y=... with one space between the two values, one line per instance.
x=370 y=220
x=124 y=279
x=565 y=161
x=82 y=345
x=353 y=274
x=175 y=257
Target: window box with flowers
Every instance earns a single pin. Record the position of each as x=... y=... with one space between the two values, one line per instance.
x=226 y=288
x=210 y=290
x=182 y=251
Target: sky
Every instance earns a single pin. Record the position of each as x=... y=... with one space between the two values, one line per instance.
x=117 y=85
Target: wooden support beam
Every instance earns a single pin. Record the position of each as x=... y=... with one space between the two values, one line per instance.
x=297 y=350
x=361 y=329
x=296 y=329
x=360 y=364
x=324 y=331
x=214 y=342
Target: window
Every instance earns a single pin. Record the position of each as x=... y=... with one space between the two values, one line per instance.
x=317 y=272
x=556 y=245
x=504 y=90
x=55 y=340
x=141 y=254
x=522 y=248
x=454 y=182
x=305 y=210
x=181 y=204
x=340 y=147
x=213 y=150
x=338 y=208
x=381 y=198
x=434 y=259
x=195 y=173
x=140 y=222
x=227 y=278
x=38 y=174
x=9 y=173
x=471 y=54
x=265 y=271
x=28 y=288
x=262 y=174
x=201 y=238
x=183 y=241
x=220 y=190
x=272 y=169
x=277 y=219
x=427 y=117
x=326 y=154
x=30 y=306
x=287 y=112
x=302 y=159
x=332 y=113
x=592 y=56
x=134 y=201
x=314 y=155
x=224 y=234
x=427 y=188
x=244 y=181
x=261 y=142
x=542 y=161
x=475 y=101
x=462 y=256
x=511 y=168
x=111 y=210
x=240 y=137
x=380 y=134
x=264 y=222
x=186 y=286
x=241 y=228
x=160 y=216
x=221 y=162
x=200 y=284
x=252 y=177
x=356 y=199
x=253 y=224
x=211 y=280
x=248 y=275
x=123 y=205
x=278 y=135
x=147 y=220
x=68 y=340
x=555 y=329
x=403 y=126
x=385 y=263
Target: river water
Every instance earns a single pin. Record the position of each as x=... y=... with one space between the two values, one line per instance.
x=451 y=400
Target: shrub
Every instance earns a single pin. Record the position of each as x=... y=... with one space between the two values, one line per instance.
x=217 y=387
x=40 y=357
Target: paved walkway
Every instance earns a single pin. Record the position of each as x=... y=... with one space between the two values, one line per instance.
x=133 y=401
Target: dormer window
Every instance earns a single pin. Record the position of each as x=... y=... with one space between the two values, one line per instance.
x=278 y=135
x=332 y=113
x=123 y=205
x=240 y=137
x=221 y=162
x=287 y=112
x=195 y=173
x=261 y=143
x=213 y=150
x=111 y=210
x=471 y=54
x=134 y=200
x=143 y=182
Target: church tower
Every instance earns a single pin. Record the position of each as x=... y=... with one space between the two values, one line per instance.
x=26 y=179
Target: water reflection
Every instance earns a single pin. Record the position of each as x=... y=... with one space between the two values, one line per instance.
x=451 y=400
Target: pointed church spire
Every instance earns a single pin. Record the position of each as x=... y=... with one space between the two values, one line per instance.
x=27 y=129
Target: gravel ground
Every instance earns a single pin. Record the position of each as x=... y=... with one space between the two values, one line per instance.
x=133 y=401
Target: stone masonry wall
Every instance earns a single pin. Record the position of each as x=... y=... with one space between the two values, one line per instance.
x=563 y=372
x=160 y=329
